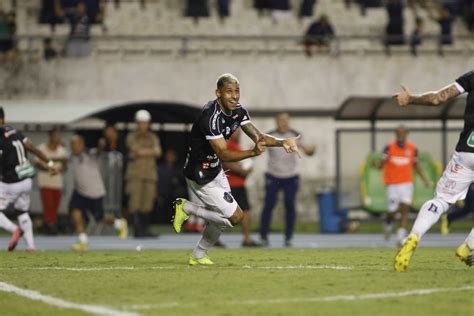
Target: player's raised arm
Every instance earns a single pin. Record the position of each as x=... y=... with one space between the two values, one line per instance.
x=289 y=144
x=433 y=98
x=219 y=146
x=35 y=151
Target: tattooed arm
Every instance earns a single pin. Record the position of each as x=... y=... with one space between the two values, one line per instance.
x=433 y=98
x=289 y=144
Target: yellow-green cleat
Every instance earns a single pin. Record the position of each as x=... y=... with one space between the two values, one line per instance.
x=80 y=246
x=402 y=259
x=123 y=229
x=444 y=227
x=463 y=253
x=205 y=261
x=180 y=215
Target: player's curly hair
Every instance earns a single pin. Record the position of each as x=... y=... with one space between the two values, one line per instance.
x=226 y=78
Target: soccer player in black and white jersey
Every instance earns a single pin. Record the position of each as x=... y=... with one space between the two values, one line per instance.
x=15 y=181
x=203 y=170
x=457 y=177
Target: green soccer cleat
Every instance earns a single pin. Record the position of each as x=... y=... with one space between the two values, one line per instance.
x=80 y=246
x=123 y=229
x=180 y=215
x=205 y=261
x=463 y=253
x=402 y=259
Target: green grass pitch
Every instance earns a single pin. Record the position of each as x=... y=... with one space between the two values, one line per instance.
x=243 y=282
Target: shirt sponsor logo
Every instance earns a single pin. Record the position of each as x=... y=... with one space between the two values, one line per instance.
x=235 y=116
x=400 y=161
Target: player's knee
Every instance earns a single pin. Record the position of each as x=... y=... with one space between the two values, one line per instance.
x=237 y=217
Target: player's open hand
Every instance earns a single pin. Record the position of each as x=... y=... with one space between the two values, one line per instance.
x=290 y=146
x=403 y=97
x=260 y=146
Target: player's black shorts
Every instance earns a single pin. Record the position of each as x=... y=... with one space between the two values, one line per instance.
x=240 y=196
x=87 y=206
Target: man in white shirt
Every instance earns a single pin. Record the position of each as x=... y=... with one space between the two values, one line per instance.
x=51 y=186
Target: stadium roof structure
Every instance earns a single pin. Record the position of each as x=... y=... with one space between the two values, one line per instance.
x=386 y=109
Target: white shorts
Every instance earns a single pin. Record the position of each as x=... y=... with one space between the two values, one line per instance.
x=456 y=179
x=17 y=193
x=215 y=195
x=399 y=194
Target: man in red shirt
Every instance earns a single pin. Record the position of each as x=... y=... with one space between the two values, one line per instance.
x=238 y=171
x=399 y=160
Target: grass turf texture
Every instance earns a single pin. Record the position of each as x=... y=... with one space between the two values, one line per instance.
x=217 y=290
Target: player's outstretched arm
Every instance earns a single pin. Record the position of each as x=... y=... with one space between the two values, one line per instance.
x=433 y=98
x=219 y=146
x=35 y=151
x=289 y=144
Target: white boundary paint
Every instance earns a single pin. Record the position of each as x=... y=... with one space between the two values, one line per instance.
x=336 y=298
x=131 y=268
x=53 y=301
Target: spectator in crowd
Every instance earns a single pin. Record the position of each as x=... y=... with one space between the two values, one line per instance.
x=467 y=9
x=171 y=184
x=197 y=9
x=88 y=194
x=445 y=19
x=238 y=172
x=112 y=162
x=49 y=52
x=78 y=44
x=416 y=38
x=223 y=8
x=51 y=13
x=395 y=28
x=282 y=174
x=319 y=34
x=399 y=159
x=306 y=8
x=460 y=210
x=263 y=6
x=51 y=186
x=95 y=11
x=68 y=10
x=8 y=50
x=141 y=176
x=281 y=10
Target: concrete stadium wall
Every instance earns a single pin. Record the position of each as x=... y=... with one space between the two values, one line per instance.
x=321 y=82
x=266 y=83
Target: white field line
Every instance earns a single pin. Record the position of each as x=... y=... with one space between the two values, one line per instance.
x=131 y=268
x=53 y=301
x=336 y=298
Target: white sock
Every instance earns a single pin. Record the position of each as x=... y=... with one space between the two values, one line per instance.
x=388 y=228
x=27 y=227
x=429 y=214
x=209 y=237
x=118 y=223
x=7 y=224
x=401 y=234
x=470 y=240
x=83 y=238
x=211 y=216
